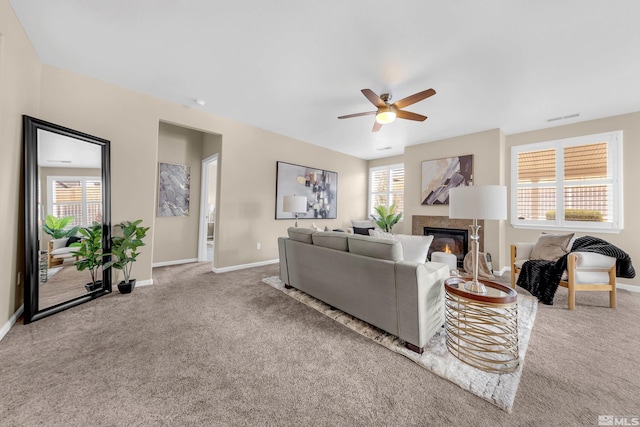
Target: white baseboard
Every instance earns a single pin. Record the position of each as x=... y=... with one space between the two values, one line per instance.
x=144 y=282
x=501 y=271
x=176 y=262
x=630 y=288
x=12 y=321
x=243 y=266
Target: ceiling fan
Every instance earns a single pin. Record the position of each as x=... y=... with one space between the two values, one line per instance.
x=387 y=112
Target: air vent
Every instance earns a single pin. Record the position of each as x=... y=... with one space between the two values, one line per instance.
x=383 y=148
x=570 y=116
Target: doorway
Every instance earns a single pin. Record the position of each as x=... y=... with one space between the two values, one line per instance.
x=208 y=209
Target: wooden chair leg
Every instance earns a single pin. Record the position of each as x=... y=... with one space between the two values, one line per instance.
x=612 y=292
x=572 y=296
x=571 y=280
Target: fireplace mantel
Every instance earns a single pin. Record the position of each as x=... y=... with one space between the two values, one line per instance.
x=418 y=222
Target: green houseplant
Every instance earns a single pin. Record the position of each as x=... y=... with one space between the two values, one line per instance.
x=124 y=251
x=386 y=219
x=55 y=227
x=89 y=253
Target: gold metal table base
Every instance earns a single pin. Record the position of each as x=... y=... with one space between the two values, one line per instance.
x=482 y=330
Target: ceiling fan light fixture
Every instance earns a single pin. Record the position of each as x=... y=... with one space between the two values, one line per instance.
x=385 y=116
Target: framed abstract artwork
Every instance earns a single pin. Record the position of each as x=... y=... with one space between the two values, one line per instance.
x=319 y=186
x=441 y=175
x=173 y=189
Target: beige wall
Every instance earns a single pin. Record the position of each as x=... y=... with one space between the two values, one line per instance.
x=19 y=94
x=626 y=240
x=247 y=167
x=486 y=150
x=130 y=120
x=176 y=238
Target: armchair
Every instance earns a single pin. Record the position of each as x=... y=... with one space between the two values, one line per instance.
x=586 y=271
x=59 y=252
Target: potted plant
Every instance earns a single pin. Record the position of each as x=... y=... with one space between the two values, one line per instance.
x=124 y=251
x=89 y=253
x=55 y=227
x=386 y=219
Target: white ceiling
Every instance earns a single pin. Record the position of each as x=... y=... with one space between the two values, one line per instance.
x=59 y=151
x=293 y=67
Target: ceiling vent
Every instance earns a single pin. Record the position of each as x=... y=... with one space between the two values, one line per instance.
x=570 y=116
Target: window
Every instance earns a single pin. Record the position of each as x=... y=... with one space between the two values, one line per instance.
x=571 y=183
x=386 y=187
x=79 y=197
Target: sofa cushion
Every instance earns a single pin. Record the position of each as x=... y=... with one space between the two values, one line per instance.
x=303 y=235
x=375 y=248
x=64 y=251
x=331 y=240
x=552 y=247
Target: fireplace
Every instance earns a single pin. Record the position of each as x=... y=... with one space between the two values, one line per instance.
x=449 y=240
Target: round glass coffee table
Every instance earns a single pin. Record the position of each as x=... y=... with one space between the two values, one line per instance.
x=482 y=330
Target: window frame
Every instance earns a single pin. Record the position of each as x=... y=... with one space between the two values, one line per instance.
x=614 y=164
x=84 y=203
x=389 y=193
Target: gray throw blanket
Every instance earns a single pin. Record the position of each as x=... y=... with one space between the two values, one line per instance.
x=542 y=278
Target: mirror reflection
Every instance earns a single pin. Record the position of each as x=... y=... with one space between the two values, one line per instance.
x=69 y=203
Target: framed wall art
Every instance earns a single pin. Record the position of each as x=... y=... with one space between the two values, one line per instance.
x=173 y=189
x=319 y=186
x=441 y=175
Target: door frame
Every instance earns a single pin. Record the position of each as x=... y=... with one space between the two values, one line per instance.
x=204 y=214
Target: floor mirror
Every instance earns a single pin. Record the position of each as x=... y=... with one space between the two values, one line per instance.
x=67 y=218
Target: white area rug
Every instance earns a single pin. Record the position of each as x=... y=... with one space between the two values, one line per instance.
x=499 y=389
x=52 y=271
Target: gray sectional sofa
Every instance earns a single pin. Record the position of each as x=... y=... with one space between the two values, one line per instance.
x=367 y=278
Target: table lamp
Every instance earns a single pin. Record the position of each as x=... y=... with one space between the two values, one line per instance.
x=294 y=204
x=477 y=202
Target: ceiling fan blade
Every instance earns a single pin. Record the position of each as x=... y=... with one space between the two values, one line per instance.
x=408 y=115
x=348 y=116
x=375 y=99
x=405 y=102
x=376 y=127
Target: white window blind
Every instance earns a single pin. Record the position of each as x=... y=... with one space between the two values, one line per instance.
x=573 y=183
x=79 y=197
x=386 y=187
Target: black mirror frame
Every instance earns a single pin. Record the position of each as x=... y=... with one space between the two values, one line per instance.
x=31 y=250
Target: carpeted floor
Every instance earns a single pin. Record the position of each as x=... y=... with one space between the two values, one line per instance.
x=199 y=348
x=499 y=389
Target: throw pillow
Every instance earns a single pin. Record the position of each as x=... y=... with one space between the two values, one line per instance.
x=552 y=247
x=363 y=224
x=363 y=231
x=379 y=234
x=415 y=248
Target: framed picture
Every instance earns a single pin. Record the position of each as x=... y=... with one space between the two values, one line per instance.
x=173 y=189
x=440 y=175
x=320 y=187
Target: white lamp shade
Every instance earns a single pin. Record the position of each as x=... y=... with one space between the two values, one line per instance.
x=478 y=202
x=294 y=204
